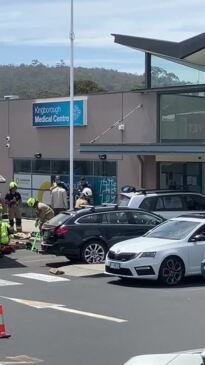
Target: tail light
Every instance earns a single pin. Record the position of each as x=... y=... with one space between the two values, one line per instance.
x=61 y=231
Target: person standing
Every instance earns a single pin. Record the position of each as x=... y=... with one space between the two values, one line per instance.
x=81 y=201
x=59 y=200
x=58 y=181
x=43 y=212
x=13 y=201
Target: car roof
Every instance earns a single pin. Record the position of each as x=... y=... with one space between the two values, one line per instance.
x=107 y=208
x=151 y=193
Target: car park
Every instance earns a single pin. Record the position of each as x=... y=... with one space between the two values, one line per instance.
x=88 y=233
x=169 y=252
x=168 y=203
x=194 y=357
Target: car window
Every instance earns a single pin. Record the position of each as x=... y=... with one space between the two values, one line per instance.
x=173 y=229
x=115 y=218
x=194 y=202
x=148 y=203
x=169 y=202
x=145 y=218
x=123 y=201
x=90 y=219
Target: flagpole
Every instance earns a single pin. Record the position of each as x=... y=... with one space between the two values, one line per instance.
x=71 y=102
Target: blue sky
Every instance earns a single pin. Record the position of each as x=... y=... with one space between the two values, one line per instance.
x=39 y=29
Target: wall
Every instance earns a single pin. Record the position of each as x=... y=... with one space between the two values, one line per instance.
x=103 y=111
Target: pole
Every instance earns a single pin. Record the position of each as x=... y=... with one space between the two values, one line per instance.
x=71 y=103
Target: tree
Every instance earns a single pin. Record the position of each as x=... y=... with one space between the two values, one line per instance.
x=86 y=87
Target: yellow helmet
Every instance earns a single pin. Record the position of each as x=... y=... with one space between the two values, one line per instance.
x=31 y=202
x=13 y=185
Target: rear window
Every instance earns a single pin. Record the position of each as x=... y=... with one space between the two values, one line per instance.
x=60 y=219
x=123 y=201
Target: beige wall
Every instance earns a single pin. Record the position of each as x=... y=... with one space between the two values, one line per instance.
x=102 y=112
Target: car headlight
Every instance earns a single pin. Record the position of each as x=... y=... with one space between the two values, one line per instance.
x=148 y=254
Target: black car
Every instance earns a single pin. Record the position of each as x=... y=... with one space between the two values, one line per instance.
x=88 y=233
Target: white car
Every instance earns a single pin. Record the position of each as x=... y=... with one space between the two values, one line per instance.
x=169 y=252
x=167 y=203
x=194 y=357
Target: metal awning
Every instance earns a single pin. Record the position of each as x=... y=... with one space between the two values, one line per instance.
x=144 y=149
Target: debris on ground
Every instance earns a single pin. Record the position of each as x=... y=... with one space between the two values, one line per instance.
x=56 y=271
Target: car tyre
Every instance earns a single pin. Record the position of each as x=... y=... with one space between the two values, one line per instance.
x=93 y=252
x=171 y=271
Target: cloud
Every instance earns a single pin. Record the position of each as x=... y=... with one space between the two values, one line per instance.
x=44 y=25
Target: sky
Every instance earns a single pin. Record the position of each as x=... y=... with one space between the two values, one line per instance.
x=39 y=29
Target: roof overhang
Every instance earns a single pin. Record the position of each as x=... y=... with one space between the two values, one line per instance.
x=144 y=149
x=191 y=50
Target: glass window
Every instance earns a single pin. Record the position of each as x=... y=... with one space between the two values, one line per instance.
x=22 y=166
x=168 y=73
x=182 y=117
x=83 y=168
x=60 y=167
x=105 y=168
x=148 y=203
x=173 y=229
x=145 y=218
x=194 y=202
x=169 y=202
x=41 y=166
x=90 y=219
x=115 y=218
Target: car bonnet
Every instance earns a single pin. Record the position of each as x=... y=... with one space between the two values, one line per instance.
x=165 y=359
x=140 y=244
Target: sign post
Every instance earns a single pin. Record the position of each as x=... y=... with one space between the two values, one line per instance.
x=71 y=103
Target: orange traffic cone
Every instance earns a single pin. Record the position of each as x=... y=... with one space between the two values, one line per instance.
x=2 y=325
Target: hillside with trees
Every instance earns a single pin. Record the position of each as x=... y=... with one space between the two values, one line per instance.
x=38 y=80
x=41 y=81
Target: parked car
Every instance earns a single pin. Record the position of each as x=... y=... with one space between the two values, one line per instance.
x=167 y=203
x=168 y=252
x=194 y=357
x=88 y=233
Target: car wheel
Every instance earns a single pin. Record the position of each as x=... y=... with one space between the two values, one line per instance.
x=171 y=271
x=93 y=252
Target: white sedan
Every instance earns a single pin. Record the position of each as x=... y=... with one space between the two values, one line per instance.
x=183 y=358
x=169 y=252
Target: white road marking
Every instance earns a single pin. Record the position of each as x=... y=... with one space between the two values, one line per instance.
x=41 y=277
x=8 y=283
x=22 y=359
x=60 y=307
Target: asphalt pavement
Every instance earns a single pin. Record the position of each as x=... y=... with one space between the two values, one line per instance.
x=95 y=319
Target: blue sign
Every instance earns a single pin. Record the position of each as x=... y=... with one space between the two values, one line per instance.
x=57 y=114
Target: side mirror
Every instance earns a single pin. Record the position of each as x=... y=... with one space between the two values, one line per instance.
x=198 y=237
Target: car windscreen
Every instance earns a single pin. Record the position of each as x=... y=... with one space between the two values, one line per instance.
x=59 y=219
x=173 y=229
x=123 y=201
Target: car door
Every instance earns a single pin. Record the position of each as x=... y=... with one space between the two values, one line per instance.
x=115 y=226
x=141 y=222
x=196 y=251
x=194 y=203
x=169 y=206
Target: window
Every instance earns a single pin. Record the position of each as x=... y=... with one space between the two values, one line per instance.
x=105 y=168
x=41 y=166
x=22 y=166
x=83 y=168
x=115 y=218
x=145 y=218
x=60 y=167
x=194 y=202
x=169 y=202
x=90 y=219
x=148 y=203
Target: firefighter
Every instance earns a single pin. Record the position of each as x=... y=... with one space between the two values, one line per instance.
x=13 y=200
x=4 y=233
x=43 y=212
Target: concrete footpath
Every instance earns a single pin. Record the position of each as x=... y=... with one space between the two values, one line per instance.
x=78 y=270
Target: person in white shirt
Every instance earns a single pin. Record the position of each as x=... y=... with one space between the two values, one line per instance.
x=59 y=201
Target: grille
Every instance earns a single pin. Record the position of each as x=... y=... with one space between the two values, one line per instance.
x=122 y=271
x=123 y=256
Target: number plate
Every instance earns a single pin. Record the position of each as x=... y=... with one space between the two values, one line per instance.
x=114 y=265
x=45 y=234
